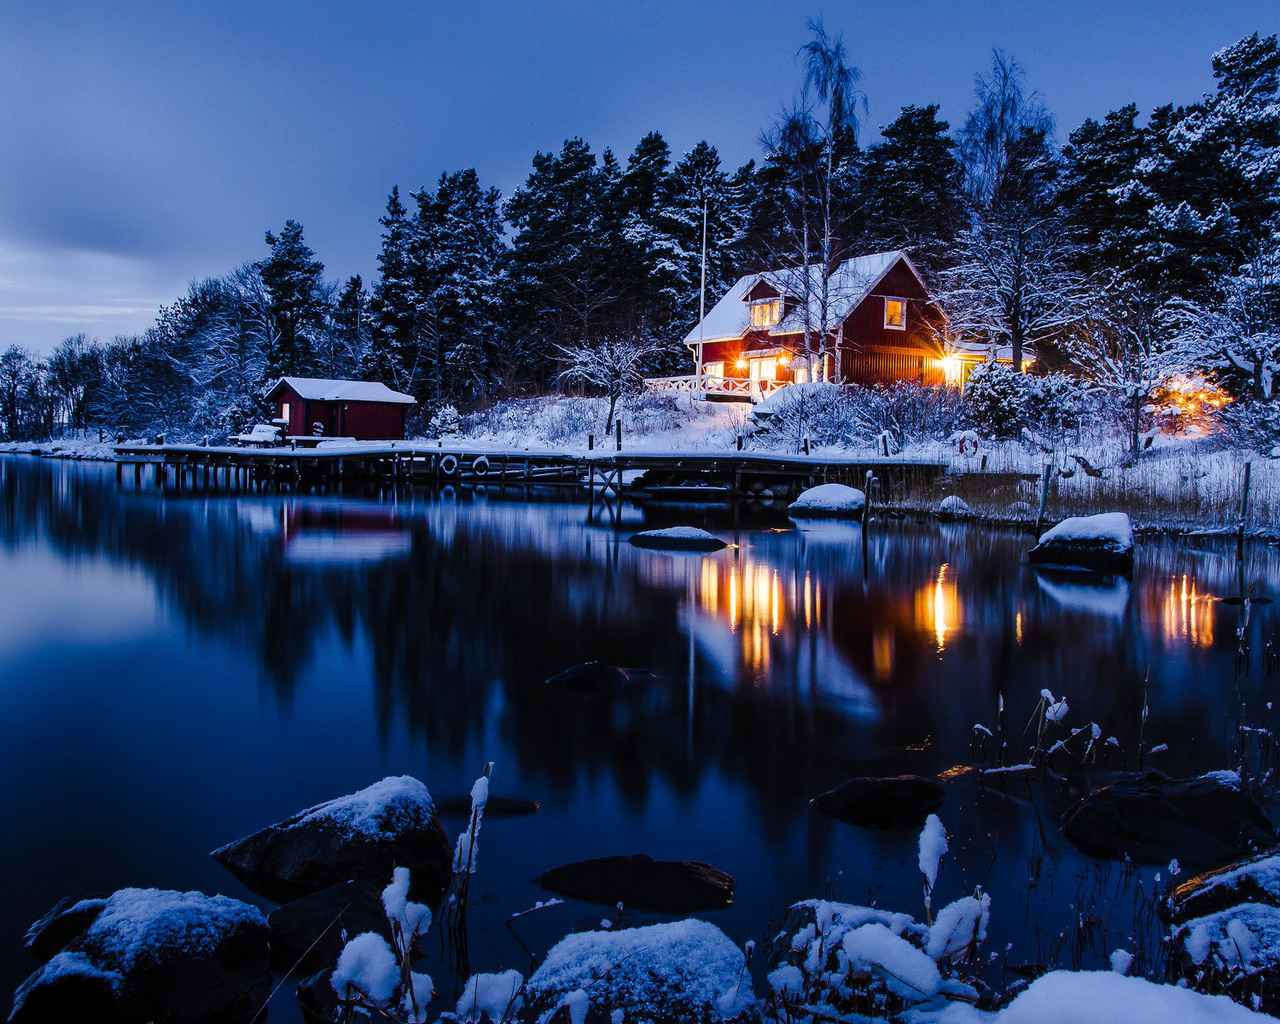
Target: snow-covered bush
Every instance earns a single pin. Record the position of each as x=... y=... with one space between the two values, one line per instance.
x=994 y=394
x=1252 y=424
x=1053 y=402
x=828 y=414
x=560 y=419
x=373 y=976
x=446 y=421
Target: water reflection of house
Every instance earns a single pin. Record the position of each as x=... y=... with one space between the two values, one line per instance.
x=320 y=535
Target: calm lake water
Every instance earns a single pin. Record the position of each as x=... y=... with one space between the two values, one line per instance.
x=178 y=671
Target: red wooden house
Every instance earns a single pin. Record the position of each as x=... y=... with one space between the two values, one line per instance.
x=364 y=410
x=878 y=319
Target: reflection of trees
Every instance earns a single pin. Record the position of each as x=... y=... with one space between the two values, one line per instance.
x=487 y=600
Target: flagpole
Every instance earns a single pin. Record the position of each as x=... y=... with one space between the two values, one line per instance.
x=702 y=299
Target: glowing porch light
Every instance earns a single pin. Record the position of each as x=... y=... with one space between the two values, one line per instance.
x=952 y=369
x=741 y=363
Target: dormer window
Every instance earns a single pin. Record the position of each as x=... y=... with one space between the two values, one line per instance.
x=895 y=314
x=766 y=313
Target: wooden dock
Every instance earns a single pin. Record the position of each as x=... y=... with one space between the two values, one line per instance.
x=670 y=474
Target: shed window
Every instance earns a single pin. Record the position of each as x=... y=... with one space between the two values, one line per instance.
x=766 y=314
x=895 y=314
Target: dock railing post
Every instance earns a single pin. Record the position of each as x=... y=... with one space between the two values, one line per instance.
x=1244 y=514
x=591 y=442
x=1044 y=497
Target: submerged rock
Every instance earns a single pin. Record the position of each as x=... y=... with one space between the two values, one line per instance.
x=641 y=883
x=362 y=836
x=904 y=801
x=1102 y=543
x=154 y=954
x=678 y=538
x=829 y=500
x=685 y=972
x=596 y=677
x=1252 y=880
x=1152 y=819
x=308 y=932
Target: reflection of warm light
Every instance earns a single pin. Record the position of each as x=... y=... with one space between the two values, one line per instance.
x=733 y=599
x=774 y=603
x=882 y=654
x=938 y=607
x=710 y=586
x=808 y=620
x=1017 y=622
x=1184 y=616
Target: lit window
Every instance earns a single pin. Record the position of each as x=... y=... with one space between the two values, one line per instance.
x=766 y=314
x=895 y=314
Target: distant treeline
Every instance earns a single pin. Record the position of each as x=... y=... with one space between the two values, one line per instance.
x=1131 y=251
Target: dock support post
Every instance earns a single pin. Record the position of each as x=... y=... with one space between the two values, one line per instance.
x=617 y=426
x=1244 y=519
x=866 y=522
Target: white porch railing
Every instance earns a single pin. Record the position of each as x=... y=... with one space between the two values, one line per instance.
x=734 y=387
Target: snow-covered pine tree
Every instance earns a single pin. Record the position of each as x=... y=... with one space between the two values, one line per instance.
x=392 y=353
x=912 y=184
x=294 y=281
x=454 y=255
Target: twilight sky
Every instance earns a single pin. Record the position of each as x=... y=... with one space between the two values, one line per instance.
x=149 y=143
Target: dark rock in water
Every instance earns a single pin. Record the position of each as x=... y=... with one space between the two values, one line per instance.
x=595 y=677
x=155 y=955
x=904 y=801
x=641 y=883
x=67 y=989
x=392 y=823
x=495 y=807
x=678 y=538
x=308 y=932
x=70 y=916
x=317 y=999
x=1153 y=819
x=1252 y=880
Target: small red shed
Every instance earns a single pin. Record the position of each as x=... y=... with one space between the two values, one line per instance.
x=365 y=410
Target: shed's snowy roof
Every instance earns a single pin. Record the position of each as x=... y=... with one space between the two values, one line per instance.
x=317 y=389
x=851 y=282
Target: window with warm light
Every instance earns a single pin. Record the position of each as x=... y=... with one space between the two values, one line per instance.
x=715 y=369
x=895 y=314
x=766 y=314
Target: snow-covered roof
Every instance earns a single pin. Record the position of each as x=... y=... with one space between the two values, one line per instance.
x=317 y=389
x=850 y=283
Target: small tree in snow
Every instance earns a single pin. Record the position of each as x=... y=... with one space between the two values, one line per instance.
x=613 y=364
x=1125 y=348
x=1242 y=331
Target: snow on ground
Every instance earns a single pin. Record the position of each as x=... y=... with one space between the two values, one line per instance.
x=1101 y=997
x=71 y=448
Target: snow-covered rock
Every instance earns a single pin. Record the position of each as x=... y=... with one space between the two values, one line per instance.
x=1103 y=543
x=155 y=954
x=829 y=500
x=685 y=972
x=953 y=507
x=1254 y=880
x=360 y=836
x=1103 y=997
x=678 y=538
